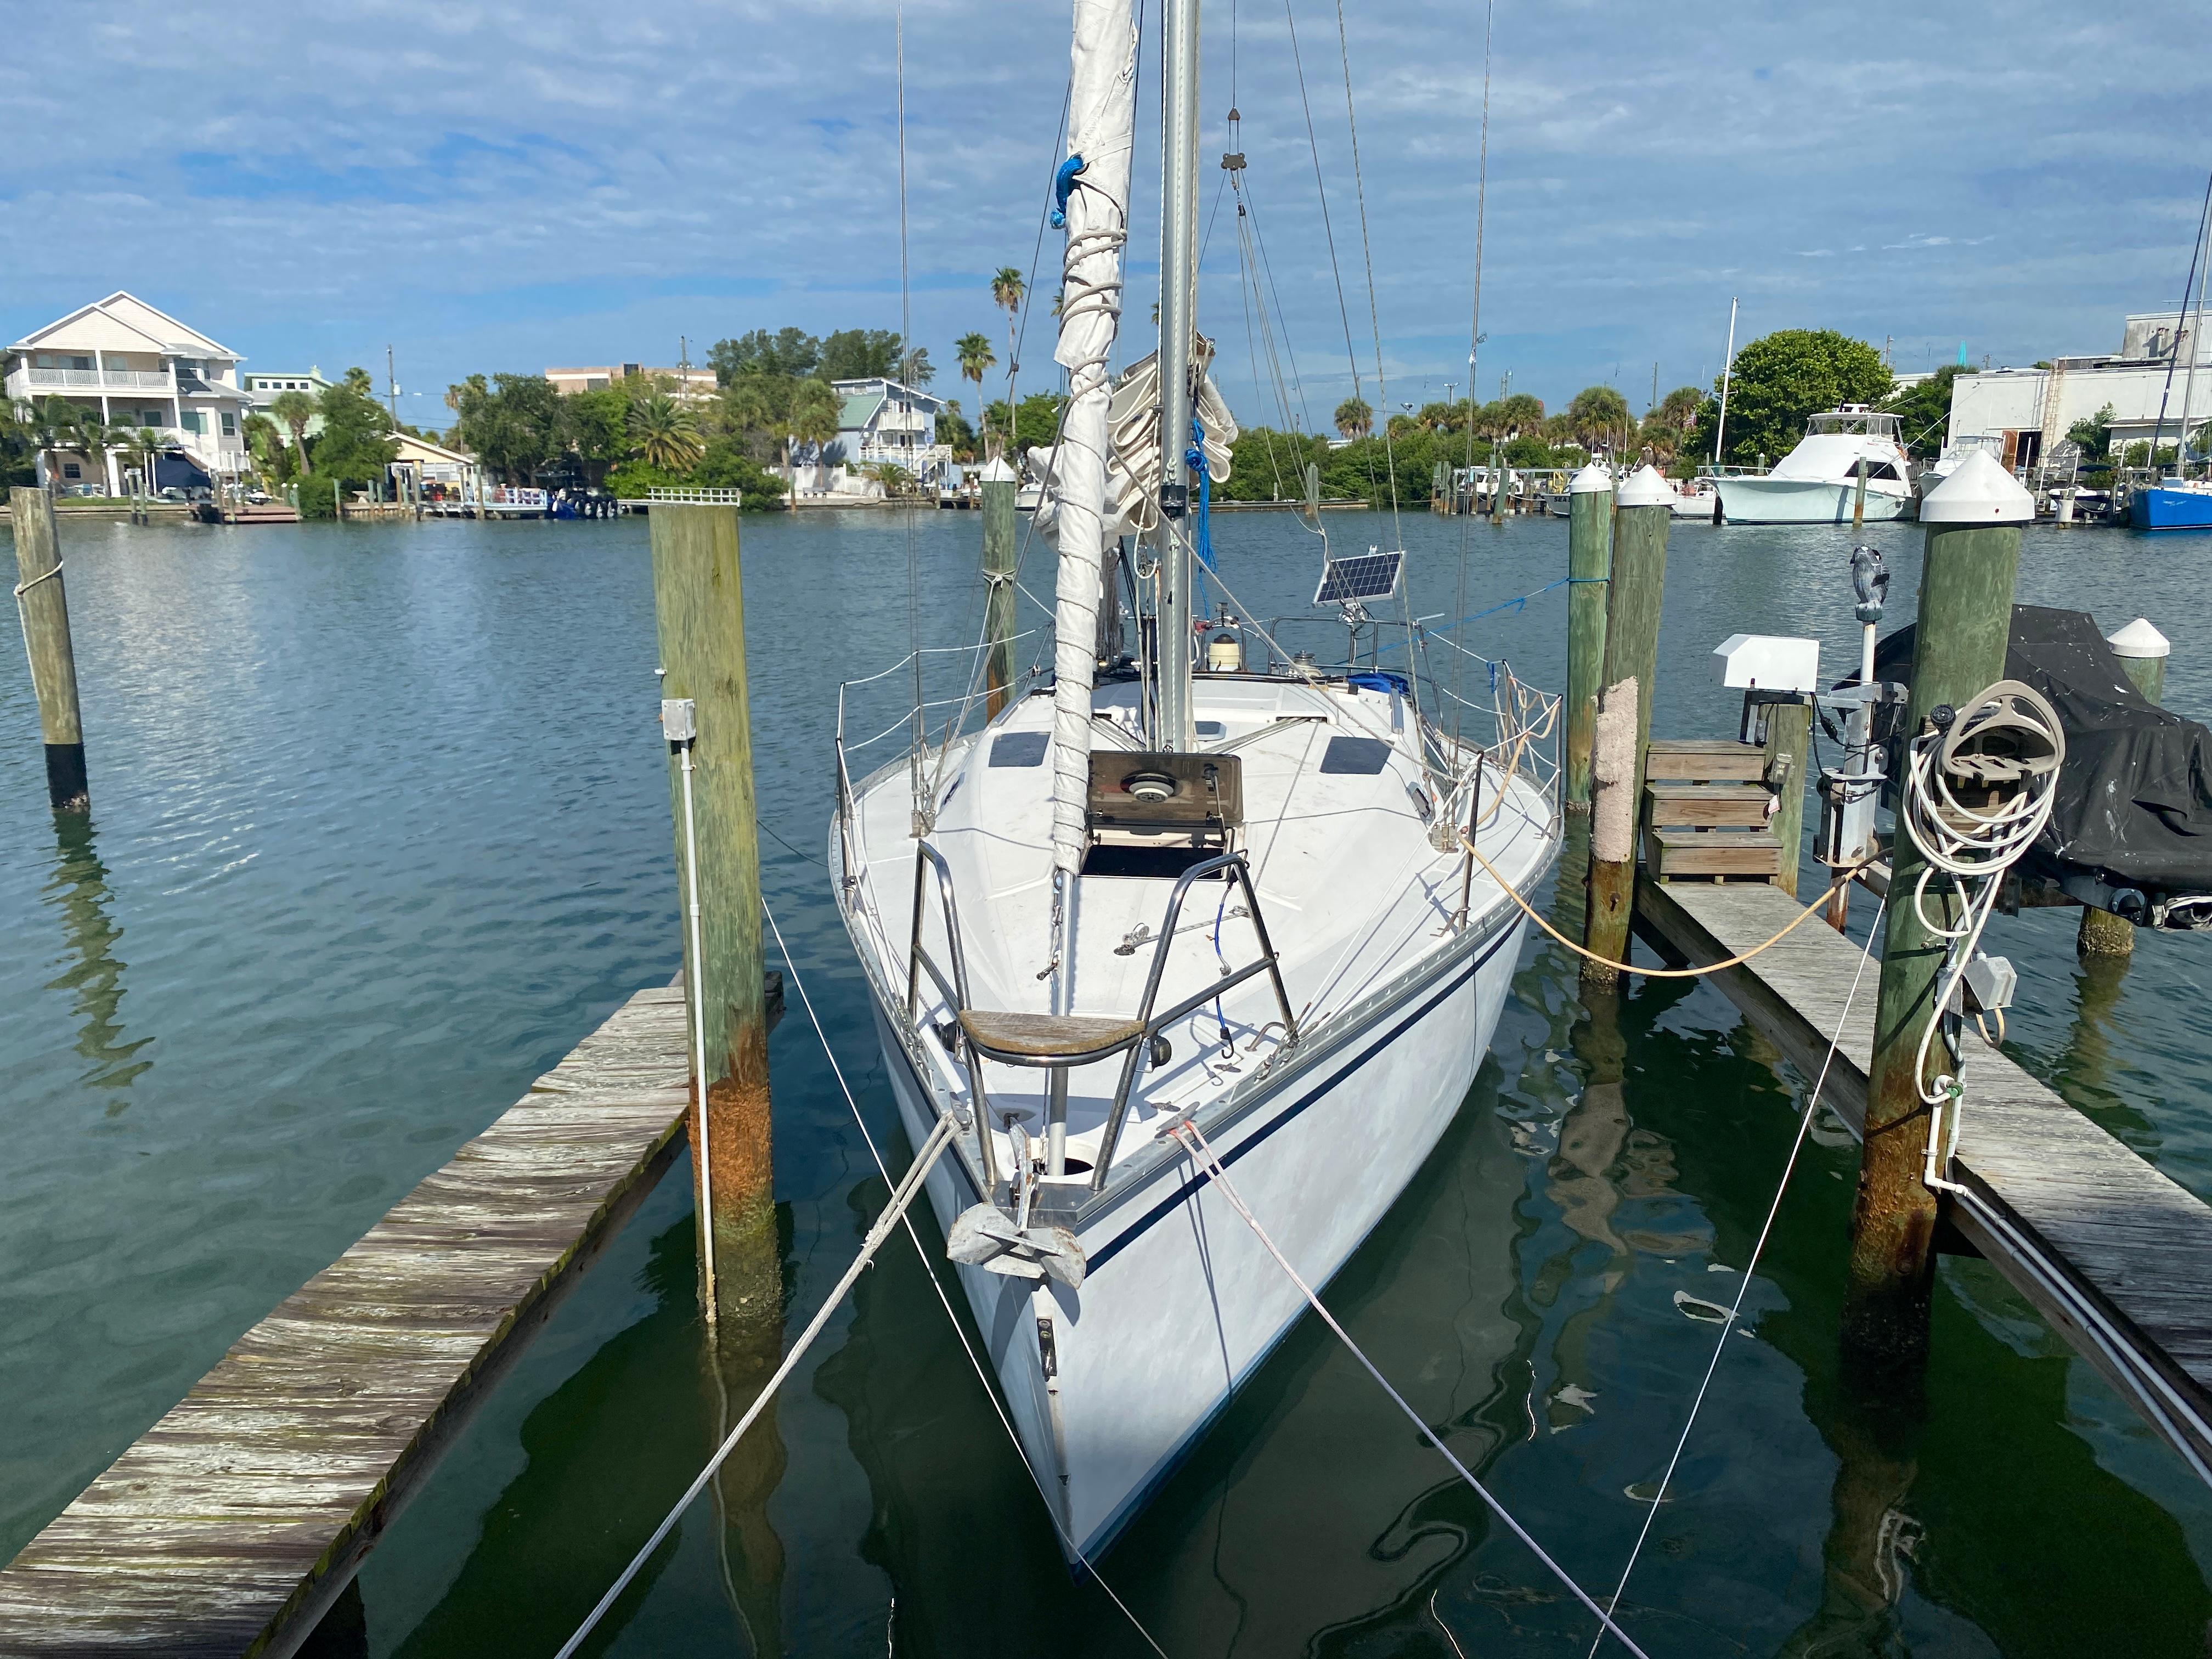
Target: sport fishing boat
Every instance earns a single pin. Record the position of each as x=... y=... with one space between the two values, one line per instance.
x=1817 y=482
x=1207 y=882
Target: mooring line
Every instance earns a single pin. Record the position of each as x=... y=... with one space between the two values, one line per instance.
x=1209 y=1162
x=902 y=1196
x=1743 y=1289
x=791 y=967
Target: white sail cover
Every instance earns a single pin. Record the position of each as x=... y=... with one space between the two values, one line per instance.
x=1101 y=117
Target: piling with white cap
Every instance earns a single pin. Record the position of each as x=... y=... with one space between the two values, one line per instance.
x=2142 y=651
x=1590 y=562
x=1973 y=521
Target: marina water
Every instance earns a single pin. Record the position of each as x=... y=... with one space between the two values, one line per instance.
x=381 y=830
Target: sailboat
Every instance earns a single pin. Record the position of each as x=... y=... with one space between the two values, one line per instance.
x=1208 y=881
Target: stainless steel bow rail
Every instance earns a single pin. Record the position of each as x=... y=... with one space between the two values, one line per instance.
x=1060 y=1043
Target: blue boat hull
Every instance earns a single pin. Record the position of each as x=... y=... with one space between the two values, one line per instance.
x=2171 y=509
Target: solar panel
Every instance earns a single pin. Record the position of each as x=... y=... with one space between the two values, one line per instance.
x=1369 y=575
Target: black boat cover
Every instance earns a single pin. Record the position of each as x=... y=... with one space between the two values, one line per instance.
x=2134 y=806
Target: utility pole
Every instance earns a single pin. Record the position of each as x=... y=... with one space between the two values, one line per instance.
x=1965 y=621
x=684 y=363
x=390 y=387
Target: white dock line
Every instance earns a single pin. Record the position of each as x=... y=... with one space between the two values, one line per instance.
x=902 y=1196
x=1203 y=1154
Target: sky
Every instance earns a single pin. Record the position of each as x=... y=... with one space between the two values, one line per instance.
x=488 y=187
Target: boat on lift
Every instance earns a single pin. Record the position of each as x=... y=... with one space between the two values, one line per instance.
x=1817 y=482
x=1207 y=881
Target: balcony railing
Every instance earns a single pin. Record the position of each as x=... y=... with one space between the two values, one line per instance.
x=90 y=379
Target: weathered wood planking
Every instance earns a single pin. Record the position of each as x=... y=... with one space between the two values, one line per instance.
x=234 y=1522
x=2131 y=1239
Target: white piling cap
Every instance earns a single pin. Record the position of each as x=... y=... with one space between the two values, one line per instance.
x=997 y=471
x=2139 y=639
x=1590 y=481
x=1980 y=491
x=1645 y=487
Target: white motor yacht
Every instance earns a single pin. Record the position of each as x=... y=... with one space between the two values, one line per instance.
x=1817 y=482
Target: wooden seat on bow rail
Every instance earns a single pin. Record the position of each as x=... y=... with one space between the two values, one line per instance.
x=1055 y=1040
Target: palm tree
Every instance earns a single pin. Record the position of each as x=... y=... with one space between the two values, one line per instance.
x=295 y=409
x=1008 y=290
x=1597 y=417
x=974 y=356
x=146 y=445
x=1354 y=418
x=664 y=433
x=813 y=419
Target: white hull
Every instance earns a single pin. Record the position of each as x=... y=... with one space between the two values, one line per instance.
x=1395 y=963
x=1181 y=1303
x=1806 y=500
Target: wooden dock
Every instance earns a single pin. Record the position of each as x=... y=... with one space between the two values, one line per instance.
x=234 y=1522
x=2117 y=1256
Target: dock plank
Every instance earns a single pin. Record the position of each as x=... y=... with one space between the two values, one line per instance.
x=231 y=1525
x=2101 y=1224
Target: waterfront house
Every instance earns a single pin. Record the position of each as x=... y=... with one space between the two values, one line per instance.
x=134 y=366
x=263 y=390
x=881 y=421
x=693 y=384
x=2021 y=415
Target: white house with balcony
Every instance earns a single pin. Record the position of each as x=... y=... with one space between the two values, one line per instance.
x=135 y=365
x=882 y=421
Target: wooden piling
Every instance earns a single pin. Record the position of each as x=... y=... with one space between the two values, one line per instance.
x=1634 y=592
x=1589 y=548
x=44 y=609
x=1613 y=835
x=1965 y=619
x=2142 y=651
x=1789 y=730
x=699 y=603
x=1858 y=499
x=1001 y=524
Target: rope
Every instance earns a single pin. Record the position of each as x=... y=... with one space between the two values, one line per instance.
x=1209 y=1162
x=904 y=1193
x=23 y=616
x=1513 y=893
x=791 y=967
x=1728 y=1325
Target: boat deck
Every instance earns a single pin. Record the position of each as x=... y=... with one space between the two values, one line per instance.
x=2088 y=1232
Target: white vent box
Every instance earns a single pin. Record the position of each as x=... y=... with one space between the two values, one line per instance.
x=1768 y=662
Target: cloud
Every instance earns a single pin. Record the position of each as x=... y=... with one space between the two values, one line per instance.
x=489 y=185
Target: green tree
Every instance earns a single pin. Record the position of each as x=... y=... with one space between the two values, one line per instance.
x=513 y=425
x=1035 y=428
x=1926 y=409
x=355 y=444
x=595 y=426
x=1354 y=419
x=1781 y=379
x=1598 y=418
x=665 y=434
x=812 y=418
x=790 y=353
x=1667 y=429
x=296 y=409
x=2093 y=436
x=18 y=447
x=271 y=459
x=952 y=429
x=859 y=354
x=145 y=445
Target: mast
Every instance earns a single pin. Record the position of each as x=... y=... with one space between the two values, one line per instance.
x=1178 y=296
x=1093 y=186
x=1727 y=368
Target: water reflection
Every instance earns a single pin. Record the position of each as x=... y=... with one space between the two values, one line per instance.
x=77 y=888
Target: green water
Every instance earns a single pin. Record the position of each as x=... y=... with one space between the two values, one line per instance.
x=380 y=831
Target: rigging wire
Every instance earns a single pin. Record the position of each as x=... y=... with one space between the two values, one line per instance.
x=1750 y=1267
x=906 y=359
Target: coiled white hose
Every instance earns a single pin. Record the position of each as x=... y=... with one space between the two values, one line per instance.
x=1973 y=847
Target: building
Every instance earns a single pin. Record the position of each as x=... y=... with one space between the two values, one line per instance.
x=139 y=367
x=433 y=463
x=692 y=385
x=2022 y=415
x=263 y=390
x=882 y=421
